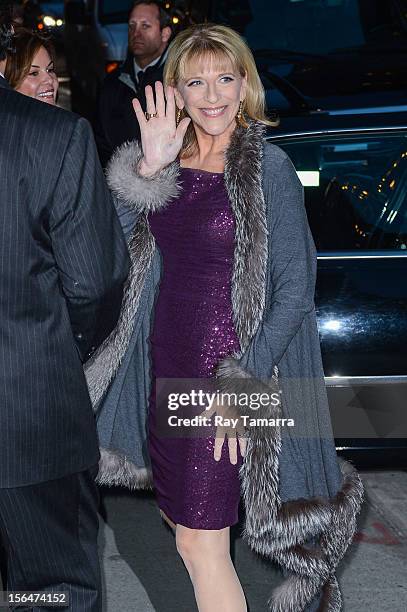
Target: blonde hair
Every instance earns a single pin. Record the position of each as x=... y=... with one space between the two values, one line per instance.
x=219 y=43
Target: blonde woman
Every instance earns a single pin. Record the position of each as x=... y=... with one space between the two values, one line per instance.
x=222 y=285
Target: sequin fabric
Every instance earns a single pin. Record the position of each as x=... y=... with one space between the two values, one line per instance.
x=192 y=330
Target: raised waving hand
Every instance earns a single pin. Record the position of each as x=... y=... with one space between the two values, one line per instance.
x=161 y=138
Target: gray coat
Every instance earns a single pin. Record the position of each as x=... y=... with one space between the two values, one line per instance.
x=294 y=488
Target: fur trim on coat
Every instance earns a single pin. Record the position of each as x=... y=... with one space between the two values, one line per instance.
x=281 y=531
x=145 y=194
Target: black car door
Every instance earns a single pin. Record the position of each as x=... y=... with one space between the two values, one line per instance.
x=356 y=198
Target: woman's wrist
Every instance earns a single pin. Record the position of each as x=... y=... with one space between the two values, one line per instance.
x=146 y=170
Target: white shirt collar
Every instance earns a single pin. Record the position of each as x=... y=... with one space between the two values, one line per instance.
x=2 y=75
x=137 y=68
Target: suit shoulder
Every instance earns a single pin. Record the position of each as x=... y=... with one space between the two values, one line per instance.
x=30 y=116
x=47 y=129
x=27 y=109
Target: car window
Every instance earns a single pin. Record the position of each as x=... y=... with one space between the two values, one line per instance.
x=355 y=190
x=313 y=26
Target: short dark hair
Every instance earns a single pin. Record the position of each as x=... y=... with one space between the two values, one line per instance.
x=6 y=29
x=165 y=19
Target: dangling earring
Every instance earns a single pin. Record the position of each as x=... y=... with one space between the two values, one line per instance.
x=178 y=117
x=240 y=111
x=239 y=117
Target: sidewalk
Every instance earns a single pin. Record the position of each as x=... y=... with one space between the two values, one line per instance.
x=143 y=572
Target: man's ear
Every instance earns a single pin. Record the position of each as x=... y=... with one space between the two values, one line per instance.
x=166 y=34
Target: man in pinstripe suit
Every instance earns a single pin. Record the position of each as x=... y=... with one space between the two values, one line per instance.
x=63 y=262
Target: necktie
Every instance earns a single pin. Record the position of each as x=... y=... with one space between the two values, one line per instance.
x=140 y=76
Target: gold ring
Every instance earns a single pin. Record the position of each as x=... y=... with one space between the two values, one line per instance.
x=149 y=115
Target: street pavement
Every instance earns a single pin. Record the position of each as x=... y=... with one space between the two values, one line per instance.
x=143 y=572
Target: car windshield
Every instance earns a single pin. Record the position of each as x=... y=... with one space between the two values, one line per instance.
x=316 y=27
x=114 y=11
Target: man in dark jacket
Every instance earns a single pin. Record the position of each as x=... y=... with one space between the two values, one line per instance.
x=63 y=263
x=149 y=34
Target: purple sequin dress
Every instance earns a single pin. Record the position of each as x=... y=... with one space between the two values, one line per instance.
x=193 y=329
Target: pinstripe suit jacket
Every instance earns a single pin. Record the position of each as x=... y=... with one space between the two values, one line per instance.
x=63 y=262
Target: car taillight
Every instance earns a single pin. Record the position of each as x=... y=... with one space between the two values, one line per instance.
x=110 y=66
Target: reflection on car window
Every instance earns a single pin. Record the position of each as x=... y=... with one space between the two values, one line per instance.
x=355 y=190
x=313 y=26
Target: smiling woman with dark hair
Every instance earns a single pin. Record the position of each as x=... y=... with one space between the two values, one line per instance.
x=30 y=66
